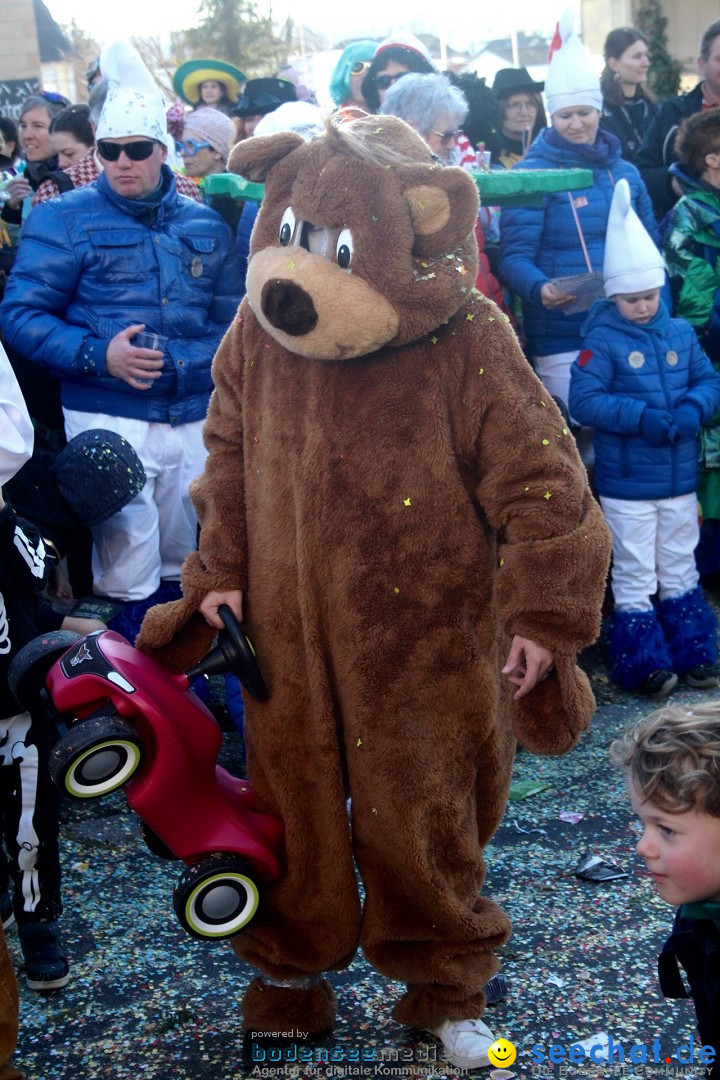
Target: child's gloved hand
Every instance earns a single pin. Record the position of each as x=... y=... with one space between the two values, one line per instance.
x=687 y=419
x=657 y=426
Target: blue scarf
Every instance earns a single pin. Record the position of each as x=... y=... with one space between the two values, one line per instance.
x=596 y=155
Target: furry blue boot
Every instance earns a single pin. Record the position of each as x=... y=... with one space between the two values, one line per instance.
x=690 y=628
x=637 y=648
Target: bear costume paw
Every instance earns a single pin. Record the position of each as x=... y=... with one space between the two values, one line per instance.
x=268 y=1008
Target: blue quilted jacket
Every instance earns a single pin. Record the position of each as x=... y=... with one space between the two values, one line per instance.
x=92 y=263
x=540 y=243
x=624 y=369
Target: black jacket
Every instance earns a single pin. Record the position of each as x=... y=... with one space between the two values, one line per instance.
x=657 y=152
x=695 y=944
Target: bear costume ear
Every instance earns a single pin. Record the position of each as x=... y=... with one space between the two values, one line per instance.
x=443 y=211
x=253 y=158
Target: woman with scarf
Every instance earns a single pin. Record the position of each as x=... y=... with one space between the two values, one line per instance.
x=565 y=236
x=37 y=114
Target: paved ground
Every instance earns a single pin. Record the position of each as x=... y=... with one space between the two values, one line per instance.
x=147 y=1001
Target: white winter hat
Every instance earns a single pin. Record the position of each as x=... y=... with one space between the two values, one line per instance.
x=134 y=104
x=632 y=262
x=570 y=80
x=298 y=116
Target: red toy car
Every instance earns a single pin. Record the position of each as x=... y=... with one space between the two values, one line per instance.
x=130 y=722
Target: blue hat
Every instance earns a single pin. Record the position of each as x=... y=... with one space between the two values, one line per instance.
x=98 y=473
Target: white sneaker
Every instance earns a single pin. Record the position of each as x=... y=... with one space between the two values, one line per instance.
x=466 y=1042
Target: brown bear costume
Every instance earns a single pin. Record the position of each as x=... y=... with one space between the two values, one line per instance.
x=396 y=496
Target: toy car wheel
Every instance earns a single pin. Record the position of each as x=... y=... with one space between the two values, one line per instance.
x=29 y=668
x=216 y=897
x=97 y=756
x=155 y=844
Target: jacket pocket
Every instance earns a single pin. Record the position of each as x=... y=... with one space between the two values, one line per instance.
x=119 y=256
x=200 y=259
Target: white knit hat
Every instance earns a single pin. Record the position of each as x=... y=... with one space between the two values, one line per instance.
x=632 y=262
x=213 y=127
x=299 y=116
x=134 y=104
x=570 y=80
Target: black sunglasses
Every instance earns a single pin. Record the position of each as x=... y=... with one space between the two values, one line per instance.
x=384 y=82
x=136 y=151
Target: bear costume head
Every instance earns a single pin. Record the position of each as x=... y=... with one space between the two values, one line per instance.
x=334 y=274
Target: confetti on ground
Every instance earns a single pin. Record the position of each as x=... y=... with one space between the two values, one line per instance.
x=146 y=1000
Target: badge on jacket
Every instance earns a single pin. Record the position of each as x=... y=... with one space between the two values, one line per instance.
x=196 y=266
x=636 y=359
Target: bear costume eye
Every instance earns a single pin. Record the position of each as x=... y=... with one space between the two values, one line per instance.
x=344 y=249
x=287 y=227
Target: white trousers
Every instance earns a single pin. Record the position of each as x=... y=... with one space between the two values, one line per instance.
x=653 y=546
x=554 y=373
x=149 y=538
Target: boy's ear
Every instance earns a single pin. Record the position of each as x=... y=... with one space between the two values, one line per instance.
x=443 y=206
x=253 y=158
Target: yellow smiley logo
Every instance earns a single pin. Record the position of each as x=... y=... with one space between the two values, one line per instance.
x=502 y=1053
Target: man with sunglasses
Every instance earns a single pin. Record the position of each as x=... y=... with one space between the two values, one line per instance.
x=96 y=267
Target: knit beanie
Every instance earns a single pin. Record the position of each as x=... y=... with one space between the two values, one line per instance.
x=632 y=262
x=213 y=127
x=134 y=104
x=570 y=80
x=299 y=116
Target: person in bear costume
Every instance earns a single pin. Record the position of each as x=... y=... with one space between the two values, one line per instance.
x=396 y=508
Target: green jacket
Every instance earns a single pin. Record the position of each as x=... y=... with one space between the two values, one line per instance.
x=692 y=253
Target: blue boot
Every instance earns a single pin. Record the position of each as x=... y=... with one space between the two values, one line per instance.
x=690 y=628
x=639 y=651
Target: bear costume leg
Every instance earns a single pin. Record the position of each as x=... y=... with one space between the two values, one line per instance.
x=421 y=860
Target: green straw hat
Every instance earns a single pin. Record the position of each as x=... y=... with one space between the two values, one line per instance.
x=187 y=78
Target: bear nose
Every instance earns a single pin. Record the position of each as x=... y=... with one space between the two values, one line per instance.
x=288 y=307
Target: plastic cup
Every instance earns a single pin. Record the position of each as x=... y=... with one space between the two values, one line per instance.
x=147 y=340
x=483 y=160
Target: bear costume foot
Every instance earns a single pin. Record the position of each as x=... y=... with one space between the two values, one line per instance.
x=270 y=1008
x=421 y=1006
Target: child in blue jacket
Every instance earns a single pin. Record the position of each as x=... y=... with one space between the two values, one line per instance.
x=645 y=386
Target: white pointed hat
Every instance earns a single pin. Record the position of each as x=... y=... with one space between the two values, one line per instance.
x=134 y=104
x=632 y=262
x=571 y=79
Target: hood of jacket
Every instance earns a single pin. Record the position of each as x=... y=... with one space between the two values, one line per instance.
x=605 y=313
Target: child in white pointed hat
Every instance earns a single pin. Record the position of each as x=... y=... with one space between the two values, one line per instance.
x=645 y=386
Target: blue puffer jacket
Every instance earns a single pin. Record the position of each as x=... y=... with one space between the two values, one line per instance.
x=91 y=264
x=622 y=370
x=540 y=243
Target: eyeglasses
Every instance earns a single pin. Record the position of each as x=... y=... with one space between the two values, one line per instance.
x=190 y=147
x=360 y=67
x=135 y=151
x=446 y=136
x=384 y=82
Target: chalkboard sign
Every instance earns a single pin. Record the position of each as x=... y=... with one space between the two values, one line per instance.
x=12 y=94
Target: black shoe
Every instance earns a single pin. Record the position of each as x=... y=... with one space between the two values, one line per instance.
x=703 y=676
x=659 y=683
x=6 y=911
x=496 y=989
x=45 y=966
